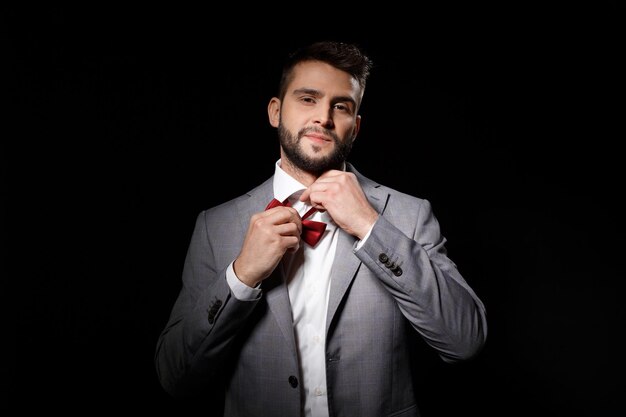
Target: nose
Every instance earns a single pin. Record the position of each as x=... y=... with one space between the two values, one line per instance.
x=324 y=118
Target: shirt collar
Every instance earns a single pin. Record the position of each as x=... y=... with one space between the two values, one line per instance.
x=286 y=186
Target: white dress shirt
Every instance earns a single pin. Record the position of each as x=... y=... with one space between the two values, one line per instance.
x=307 y=272
x=308 y=280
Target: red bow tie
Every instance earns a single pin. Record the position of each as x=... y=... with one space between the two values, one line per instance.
x=312 y=230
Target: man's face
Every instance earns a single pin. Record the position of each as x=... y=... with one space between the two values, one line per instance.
x=317 y=120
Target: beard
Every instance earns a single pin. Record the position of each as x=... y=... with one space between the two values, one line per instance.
x=316 y=166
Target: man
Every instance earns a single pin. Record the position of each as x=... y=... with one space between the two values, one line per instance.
x=295 y=327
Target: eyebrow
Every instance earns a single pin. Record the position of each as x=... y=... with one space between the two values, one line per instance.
x=318 y=93
x=308 y=91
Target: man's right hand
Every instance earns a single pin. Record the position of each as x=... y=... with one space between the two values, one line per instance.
x=270 y=235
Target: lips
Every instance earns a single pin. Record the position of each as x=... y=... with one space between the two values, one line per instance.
x=318 y=137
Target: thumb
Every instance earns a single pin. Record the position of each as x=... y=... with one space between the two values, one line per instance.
x=304 y=197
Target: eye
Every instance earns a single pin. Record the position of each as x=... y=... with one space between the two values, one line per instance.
x=308 y=99
x=342 y=107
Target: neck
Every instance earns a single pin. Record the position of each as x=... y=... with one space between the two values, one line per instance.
x=304 y=177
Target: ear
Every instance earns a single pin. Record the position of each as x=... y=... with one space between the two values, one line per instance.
x=357 y=127
x=273 y=111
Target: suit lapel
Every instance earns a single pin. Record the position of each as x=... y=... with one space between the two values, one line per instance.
x=274 y=287
x=344 y=269
x=346 y=263
x=256 y=202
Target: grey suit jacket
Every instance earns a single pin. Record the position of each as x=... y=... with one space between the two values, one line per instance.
x=399 y=281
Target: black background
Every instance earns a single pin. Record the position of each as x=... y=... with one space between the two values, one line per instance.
x=123 y=123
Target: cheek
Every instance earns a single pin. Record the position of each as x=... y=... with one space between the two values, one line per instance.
x=348 y=133
x=288 y=118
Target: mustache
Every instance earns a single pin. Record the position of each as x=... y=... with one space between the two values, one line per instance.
x=319 y=130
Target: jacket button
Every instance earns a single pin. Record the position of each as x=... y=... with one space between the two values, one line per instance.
x=383 y=258
x=397 y=271
x=293 y=381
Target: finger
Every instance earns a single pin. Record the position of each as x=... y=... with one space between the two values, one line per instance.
x=289 y=229
x=316 y=201
x=316 y=187
x=329 y=174
x=294 y=245
x=304 y=197
x=281 y=214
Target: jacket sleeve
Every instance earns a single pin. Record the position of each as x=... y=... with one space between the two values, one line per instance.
x=203 y=323
x=407 y=252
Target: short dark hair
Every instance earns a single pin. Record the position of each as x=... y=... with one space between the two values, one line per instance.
x=347 y=57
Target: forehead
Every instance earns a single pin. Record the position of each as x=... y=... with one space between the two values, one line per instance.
x=324 y=77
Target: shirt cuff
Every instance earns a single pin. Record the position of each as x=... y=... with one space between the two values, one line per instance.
x=362 y=241
x=240 y=290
